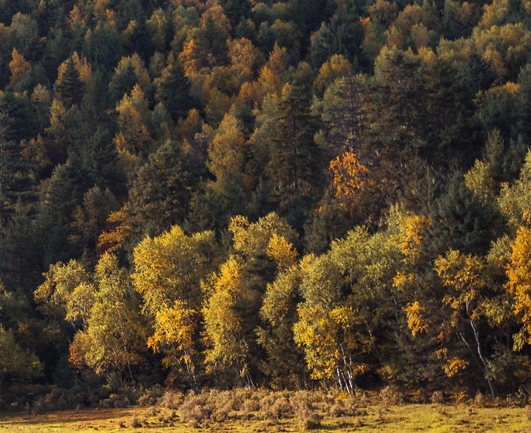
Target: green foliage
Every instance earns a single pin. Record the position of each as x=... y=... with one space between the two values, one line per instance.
x=113 y=339
x=16 y=361
x=173 y=90
x=161 y=192
x=68 y=87
x=347 y=300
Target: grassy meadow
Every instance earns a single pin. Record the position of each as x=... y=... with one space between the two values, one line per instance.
x=262 y=411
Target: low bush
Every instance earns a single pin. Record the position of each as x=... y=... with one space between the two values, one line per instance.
x=196 y=409
x=308 y=419
x=171 y=399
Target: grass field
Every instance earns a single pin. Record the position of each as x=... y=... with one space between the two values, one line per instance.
x=399 y=418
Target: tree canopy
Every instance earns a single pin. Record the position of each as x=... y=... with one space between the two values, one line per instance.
x=270 y=193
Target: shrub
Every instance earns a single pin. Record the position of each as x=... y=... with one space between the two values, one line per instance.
x=390 y=396
x=136 y=422
x=480 y=400
x=221 y=412
x=249 y=407
x=344 y=407
x=150 y=397
x=308 y=419
x=281 y=408
x=171 y=400
x=195 y=410
x=437 y=397
x=166 y=416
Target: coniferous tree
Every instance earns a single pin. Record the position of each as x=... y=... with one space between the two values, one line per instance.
x=462 y=222
x=160 y=195
x=60 y=195
x=173 y=90
x=293 y=160
x=17 y=176
x=68 y=87
x=236 y=11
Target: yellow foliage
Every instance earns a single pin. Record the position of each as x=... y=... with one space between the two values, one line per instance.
x=188 y=59
x=494 y=57
x=454 y=365
x=512 y=88
x=252 y=239
x=18 y=67
x=349 y=176
x=365 y=22
x=280 y=250
x=244 y=58
x=415 y=320
x=83 y=68
x=175 y=328
x=229 y=280
x=127 y=34
x=78 y=349
x=113 y=237
x=337 y=67
x=76 y=22
x=217 y=13
x=111 y=17
x=142 y=75
x=100 y=7
x=518 y=273
x=411 y=236
x=134 y=135
x=223 y=326
x=402 y=281
x=226 y=152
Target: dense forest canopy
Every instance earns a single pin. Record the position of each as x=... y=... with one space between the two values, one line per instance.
x=266 y=193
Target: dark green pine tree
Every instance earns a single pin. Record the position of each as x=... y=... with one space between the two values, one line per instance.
x=60 y=195
x=295 y=166
x=160 y=195
x=20 y=120
x=90 y=219
x=99 y=157
x=18 y=262
x=236 y=10
x=58 y=47
x=173 y=90
x=20 y=259
x=68 y=87
x=123 y=82
x=103 y=46
x=392 y=144
x=523 y=108
x=344 y=117
x=211 y=41
x=17 y=185
x=341 y=34
x=309 y=14
x=461 y=222
x=327 y=222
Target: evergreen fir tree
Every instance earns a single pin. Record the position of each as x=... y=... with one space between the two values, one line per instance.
x=173 y=90
x=68 y=87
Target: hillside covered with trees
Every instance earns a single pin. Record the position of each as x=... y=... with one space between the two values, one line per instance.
x=285 y=194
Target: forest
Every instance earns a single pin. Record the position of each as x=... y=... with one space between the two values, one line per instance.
x=282 y=194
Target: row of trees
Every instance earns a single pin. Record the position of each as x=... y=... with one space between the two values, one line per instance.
x=428 y=301
x=238 y=192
